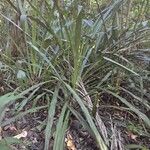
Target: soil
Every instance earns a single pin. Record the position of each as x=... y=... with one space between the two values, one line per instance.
x=113 y=113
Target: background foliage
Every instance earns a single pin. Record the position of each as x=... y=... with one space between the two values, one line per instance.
x=85 y=59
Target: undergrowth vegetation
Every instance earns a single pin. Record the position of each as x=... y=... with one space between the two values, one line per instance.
x=86 y=61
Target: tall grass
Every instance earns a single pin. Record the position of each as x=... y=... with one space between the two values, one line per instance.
x=66 y=47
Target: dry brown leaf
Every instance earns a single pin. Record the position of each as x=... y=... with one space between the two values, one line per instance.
x=23 y=134
x=70 y=143
x=0 y=133
x=2 y=89
x=10 y=127
x=132 y=136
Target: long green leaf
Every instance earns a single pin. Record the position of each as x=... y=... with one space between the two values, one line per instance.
x=132 y=108
x=98 y=137
x=51 y=113
x=20 y=115
x=6 y=99
x=60 y=129
x=120 y=65
x=81 y=119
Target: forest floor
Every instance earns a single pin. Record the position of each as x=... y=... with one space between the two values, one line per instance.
x=124 y=126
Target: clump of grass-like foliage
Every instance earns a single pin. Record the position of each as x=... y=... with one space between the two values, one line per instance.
x=69 y=54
